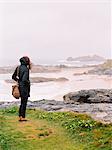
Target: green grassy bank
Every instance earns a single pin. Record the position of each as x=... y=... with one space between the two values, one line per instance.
x=52 y=131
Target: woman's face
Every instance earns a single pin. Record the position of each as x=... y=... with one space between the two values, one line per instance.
x=29 y=66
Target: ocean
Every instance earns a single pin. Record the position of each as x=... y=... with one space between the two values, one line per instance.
x=56 y=90
x=55 y=62
x=52 y=62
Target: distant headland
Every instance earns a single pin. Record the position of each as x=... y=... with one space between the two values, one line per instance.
x=86 y=58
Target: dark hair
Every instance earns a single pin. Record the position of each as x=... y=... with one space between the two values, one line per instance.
x=27 y=59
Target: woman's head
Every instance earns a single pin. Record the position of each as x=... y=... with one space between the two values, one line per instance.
x=26 y=60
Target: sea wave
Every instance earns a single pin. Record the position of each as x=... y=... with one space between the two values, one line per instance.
x=70 y=63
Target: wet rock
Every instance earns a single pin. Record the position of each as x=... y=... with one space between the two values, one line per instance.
x=89 y=96
x=62 y=79
x=103 y=69
x=8 y=104
x=78 y=74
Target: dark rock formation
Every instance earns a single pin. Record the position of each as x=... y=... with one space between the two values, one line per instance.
x=78 y=74
x=89 y=96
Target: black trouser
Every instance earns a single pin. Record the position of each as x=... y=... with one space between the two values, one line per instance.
x=22 y=109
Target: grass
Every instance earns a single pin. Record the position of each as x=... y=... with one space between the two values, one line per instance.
x=52 y=131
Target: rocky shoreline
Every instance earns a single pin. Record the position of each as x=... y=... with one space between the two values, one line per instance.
x=98 y=111
x=95 y=102
x=35 y=69
x=41 y=79
x=103 y=69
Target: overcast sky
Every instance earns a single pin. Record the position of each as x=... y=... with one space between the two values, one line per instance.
x=54 y=30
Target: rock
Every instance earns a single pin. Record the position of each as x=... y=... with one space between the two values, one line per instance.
x=108 y=72
x=48 y=105
x=89 y=96
x=103 y=69
x=62 y=79
x=8 y=104
x=78 y=74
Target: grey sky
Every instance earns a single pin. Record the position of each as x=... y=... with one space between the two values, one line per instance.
x=54 y=30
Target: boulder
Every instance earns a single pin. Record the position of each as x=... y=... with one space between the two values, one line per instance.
x=89 y=96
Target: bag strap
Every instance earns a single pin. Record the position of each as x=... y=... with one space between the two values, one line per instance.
x=18 y=71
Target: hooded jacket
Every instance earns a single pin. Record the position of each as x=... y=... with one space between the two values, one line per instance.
x=21 y=75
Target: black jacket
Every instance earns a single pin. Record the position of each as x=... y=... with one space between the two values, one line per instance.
x=21 y=75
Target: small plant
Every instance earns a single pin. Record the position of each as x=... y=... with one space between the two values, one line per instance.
x=43 y=134
x=73 y=124
x=11 y=110
x=40 y=129
x=4 y=142
x=86 y=124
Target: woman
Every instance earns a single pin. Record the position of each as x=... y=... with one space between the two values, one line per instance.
x=21 y=75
